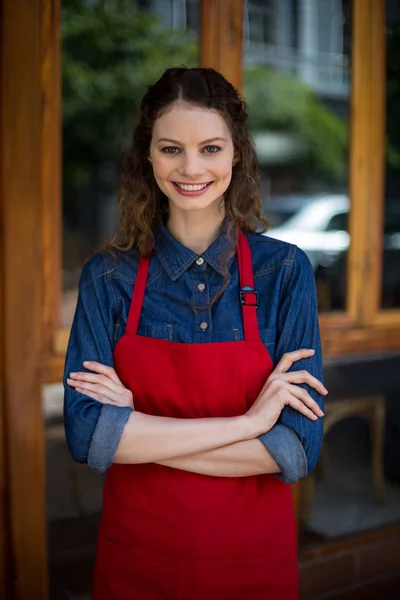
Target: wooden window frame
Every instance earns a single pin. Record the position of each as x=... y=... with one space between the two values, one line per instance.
x=363 y=327
x=30 y=194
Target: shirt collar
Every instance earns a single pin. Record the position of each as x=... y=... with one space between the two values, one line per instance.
x=177 y=258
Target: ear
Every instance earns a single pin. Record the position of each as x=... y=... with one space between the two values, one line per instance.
x=150 y=160
x=235 y=160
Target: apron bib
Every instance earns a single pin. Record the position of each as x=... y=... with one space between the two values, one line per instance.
x=168 y=534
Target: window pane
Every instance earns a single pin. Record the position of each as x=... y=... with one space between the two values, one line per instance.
x=111 y=50
x=391 y=233
x=297 y=90
x=356 y=484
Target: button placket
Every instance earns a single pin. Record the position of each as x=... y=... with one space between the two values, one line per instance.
x=201 y=301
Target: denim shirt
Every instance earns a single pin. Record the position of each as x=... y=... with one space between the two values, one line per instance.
x=178 y=299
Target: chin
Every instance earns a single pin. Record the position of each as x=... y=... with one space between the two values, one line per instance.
x=194 y=204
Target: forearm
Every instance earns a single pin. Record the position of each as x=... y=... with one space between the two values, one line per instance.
x=147 y=438
x=240 y=459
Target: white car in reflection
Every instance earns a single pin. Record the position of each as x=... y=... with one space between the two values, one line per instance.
x=318 y=225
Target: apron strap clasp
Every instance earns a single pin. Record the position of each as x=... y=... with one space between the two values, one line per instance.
x=245 y=300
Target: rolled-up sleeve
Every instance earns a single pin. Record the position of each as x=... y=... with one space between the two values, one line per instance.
x=92 y=430
x=287 y=451
x=295 y=441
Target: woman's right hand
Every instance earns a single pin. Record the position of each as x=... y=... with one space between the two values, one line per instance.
x=281 y=389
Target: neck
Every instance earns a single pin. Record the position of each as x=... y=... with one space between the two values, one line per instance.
x=194 y=229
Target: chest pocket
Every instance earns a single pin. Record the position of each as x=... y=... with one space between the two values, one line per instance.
x=268 y=338
x=159 y=331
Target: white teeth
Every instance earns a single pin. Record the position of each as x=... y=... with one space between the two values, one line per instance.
x=191 y=188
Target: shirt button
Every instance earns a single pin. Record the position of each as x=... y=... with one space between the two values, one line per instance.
x=201 y=287
x=203 y=326
x=200 y=261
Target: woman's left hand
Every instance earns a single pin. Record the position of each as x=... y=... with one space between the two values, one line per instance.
x=102 y=385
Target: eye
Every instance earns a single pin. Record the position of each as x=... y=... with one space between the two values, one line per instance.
x=212 y=149
x=170 y=150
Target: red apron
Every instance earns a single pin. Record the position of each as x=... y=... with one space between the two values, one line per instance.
x=168 y=534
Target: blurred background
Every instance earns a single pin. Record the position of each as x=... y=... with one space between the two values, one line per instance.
x=327 y=136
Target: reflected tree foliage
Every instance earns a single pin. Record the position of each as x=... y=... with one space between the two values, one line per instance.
x=110 y=52
x=279 y=101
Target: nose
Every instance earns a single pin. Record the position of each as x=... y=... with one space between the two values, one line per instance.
x=192 y=166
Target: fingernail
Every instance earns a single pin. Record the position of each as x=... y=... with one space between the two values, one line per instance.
x=72 y=374
x=87 y=362
x=325 y=391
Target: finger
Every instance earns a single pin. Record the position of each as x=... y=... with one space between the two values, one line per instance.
x=123 y=397
x=97 y=397
x=305 y=397
x=302 y=408
x=97 y=367
x=289 y=358
x=100 y=379
x=305 y=377
x=94 y=388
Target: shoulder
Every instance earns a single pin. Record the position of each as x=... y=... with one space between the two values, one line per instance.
x=269 y=254
x=109 y=264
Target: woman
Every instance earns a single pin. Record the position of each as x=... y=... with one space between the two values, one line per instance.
x=202 y=398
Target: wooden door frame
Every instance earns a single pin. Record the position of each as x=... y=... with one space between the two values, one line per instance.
x=26 y=167
x=4 y=516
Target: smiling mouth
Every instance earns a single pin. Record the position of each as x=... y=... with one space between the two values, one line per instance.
x=190 y=187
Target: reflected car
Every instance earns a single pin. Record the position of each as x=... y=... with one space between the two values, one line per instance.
x=319 y=225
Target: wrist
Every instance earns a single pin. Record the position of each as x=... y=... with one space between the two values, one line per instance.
x=251 y=426
x=257 y=425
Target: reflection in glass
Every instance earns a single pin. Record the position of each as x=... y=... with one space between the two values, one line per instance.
x=391 y=235
x=111 y=51
x=297 y=90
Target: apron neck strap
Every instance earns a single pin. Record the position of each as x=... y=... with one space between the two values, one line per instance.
x=138 y=295
x=248 y=295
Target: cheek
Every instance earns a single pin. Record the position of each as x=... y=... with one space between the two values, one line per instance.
x=161 y=169
x=223 y=169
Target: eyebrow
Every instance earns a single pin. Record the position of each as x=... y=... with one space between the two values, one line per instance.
x=221 y=139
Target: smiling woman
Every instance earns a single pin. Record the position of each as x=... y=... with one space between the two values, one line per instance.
x=202 y=395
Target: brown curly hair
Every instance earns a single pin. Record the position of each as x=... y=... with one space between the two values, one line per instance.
x=142 y=205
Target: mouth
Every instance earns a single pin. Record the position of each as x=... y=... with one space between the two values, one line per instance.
x=191 y=189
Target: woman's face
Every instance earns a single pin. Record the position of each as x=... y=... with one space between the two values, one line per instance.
x=192 y=156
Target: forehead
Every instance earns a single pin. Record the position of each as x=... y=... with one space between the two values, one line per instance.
x=190 y=124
